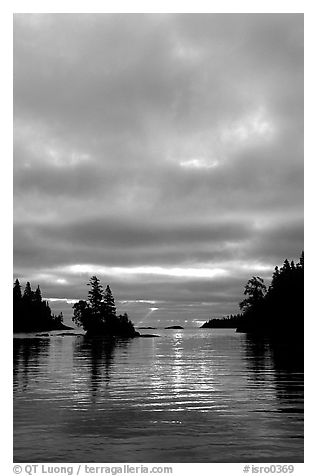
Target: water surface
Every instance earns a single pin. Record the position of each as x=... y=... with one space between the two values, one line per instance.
x=197 y=395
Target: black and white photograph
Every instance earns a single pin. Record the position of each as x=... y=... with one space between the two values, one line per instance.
x=158 y=243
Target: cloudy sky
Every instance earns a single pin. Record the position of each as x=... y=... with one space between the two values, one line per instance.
x=161 y=152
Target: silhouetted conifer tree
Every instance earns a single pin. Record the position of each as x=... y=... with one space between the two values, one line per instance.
x=95 y=294
x=110 y=308
x=38 y=295
x=17 y=293
x=28 y=293
x=17 y=304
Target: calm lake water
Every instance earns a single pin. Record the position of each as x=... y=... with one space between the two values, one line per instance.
x=193 y=396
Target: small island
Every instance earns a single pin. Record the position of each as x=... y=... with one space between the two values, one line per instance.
x=174 y=327
x=98 y=315
x=31 y=313
x=149 y=327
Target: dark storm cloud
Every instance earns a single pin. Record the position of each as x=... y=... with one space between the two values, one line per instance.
x=167 y=141
x=137 y=233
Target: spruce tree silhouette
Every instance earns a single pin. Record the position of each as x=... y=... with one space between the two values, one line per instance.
x=17 y=293
x=28 y=293
x=110 y=307
x=95 y=295
x=38 y=295
x=17 y=304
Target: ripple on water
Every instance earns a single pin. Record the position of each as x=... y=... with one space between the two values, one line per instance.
x=194 y=396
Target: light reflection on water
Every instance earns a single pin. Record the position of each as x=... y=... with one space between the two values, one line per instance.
x=191 y=396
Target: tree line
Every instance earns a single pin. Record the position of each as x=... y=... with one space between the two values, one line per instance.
x=227 y=322
x=276 y=310
x=31 y=312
